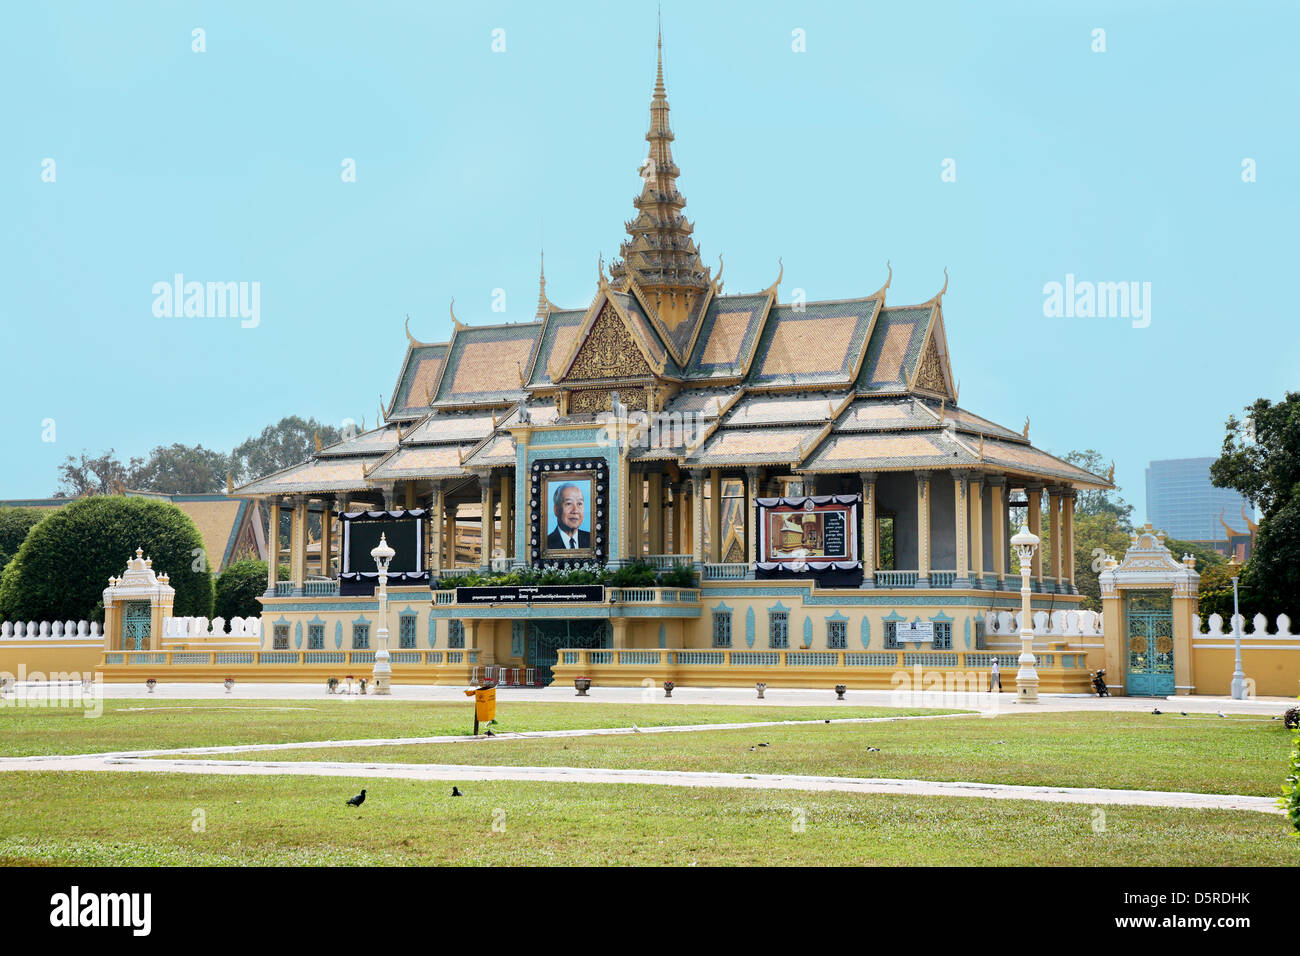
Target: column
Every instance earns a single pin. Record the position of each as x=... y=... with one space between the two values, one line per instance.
x=976 y=493
x=507 y=515
x=449 y=535
x=1058 y=538
x=715 y=515
x=1067 y=503
x=489 y=520
x=619 y=627
x=298 y=545
x=435 y=530
x=326 y=537
x=409 y=488
x=390 y=497
x=273 y=548
x=961 y=531
x=869 y=545
x=1034 y=495
x=636 y=487
x=998 y=498
x=690 y=491
x=751 y=532
x=697 y=502
x=922 y=530
x=655 y=494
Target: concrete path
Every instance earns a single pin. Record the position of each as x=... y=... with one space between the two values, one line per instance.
x=671 y=778
x=737 y=696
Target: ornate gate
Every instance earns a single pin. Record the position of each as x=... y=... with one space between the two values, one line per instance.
x=1149 y=637
x=546 y=637
x=135 y=625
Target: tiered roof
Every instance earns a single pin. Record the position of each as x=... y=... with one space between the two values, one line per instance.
x=800 y=387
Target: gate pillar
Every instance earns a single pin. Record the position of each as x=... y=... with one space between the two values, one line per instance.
x=1149 y=566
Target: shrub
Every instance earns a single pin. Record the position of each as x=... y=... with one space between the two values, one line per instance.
x=14 y=525
x=678 y=577
x=638 y=574
x=1290 y=800
x=64 y=564
x=239 y=587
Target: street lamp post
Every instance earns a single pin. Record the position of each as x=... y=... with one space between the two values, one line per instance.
x=1238 y=673
x=1025 y=543
x=383 y=555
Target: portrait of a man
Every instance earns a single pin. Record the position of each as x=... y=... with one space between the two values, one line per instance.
x=570 y=525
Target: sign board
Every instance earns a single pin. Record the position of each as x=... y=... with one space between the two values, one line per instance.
x=532 y=594
x=485 y=704
x=915 y=631
x=817 y=533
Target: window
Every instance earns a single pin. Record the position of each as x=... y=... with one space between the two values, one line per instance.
x=837 y=635
x=942 y=635
x=721 y=628
x=517 y=639
x=315 y=637
x=456 y=634
x=891 y=636
x=281 y=641
x=360 y=637
x=406 y=631
x=778 y=629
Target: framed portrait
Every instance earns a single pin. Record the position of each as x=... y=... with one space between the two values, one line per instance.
x=569 y=509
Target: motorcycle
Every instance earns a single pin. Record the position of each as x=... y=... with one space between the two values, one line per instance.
x=1099 y=683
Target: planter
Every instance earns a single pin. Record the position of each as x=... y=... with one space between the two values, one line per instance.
x=761 y=688
x=229 y=683
x=332 y=685
x=668 y=688
x=582 y=685
x=150 y=683
x=839 y=691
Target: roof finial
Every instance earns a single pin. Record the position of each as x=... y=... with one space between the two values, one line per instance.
x=457 y=323
x=659 y=77
x=1025 y=433
x=409 y=337
x=945 y=284
x=542 y=305
x=771 y=290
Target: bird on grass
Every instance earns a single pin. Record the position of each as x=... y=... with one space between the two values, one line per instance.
x=1222 y=714
x=1183 y=712
x=636 y=729
x=752 y=749
x=765 y=745
x=1156 y=710
x=828 y=721
x=874 y=750
x=359 y=799
x=455 y=791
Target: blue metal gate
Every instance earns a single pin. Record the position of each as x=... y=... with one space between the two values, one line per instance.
x=1149 y=643
x=546 y=637
x=135 y=625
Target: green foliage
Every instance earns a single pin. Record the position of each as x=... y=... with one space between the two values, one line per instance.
x=1095 y=536
x=1100 y=501
x=638 y=574
x=239 y=587
x=288 y=442
x=14 y=525
x=65 y=562
x=1290 y=800
x=1261 y=460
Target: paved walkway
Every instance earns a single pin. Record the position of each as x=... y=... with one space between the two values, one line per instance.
x=737 y=696
x=671 y=778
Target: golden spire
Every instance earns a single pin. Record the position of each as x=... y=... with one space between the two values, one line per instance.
x=542 y=305
x=661 y=254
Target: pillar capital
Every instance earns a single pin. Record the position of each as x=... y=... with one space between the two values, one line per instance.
x=868 y=476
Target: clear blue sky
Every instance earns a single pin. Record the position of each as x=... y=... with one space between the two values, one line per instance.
x=225 y=166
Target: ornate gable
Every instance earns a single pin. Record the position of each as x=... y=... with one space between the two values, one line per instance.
x=609 y=351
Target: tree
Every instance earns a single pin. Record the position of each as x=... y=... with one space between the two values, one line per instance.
x=65 y=562
x=239 y=587
x=94 y=476
x=1100 y=500
x=1261 y=460
x=182 y=470
x=288 y=442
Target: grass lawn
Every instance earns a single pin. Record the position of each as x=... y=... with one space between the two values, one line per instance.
x=156 y=724
x=111 y=819
x=1115 y=750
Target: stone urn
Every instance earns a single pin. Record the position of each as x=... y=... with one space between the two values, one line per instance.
x=839 y=691
x=761 y=688
x=151 y=683
x=582 y=685
x=229 y=684
x=668 y=688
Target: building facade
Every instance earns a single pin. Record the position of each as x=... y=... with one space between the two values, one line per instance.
x=1182 y=501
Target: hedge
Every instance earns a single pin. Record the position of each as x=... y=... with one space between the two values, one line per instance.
x=239 y=587
x=64 y=564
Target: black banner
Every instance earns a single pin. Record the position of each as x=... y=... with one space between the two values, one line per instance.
x=532 y=594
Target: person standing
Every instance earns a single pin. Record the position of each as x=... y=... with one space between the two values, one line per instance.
x=995 y=677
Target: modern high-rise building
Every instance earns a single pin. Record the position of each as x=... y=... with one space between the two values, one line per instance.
x=1183 y=503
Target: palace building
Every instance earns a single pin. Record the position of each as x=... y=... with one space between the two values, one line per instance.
x=801 y=475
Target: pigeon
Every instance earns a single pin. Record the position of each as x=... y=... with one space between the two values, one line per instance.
x=1222 y=714
x=359 y=799
x=489 y=734
x=828 y=721
x=1183 y=712
x=455 y=791
x=765 y=745
x=752 y=749
x=636 y=729
x=1156 y=710
x=874 y=750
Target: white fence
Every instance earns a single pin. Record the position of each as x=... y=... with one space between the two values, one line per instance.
x=1054 y=624
x=45 y=630
x=196 y=628
x=1259 y=623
